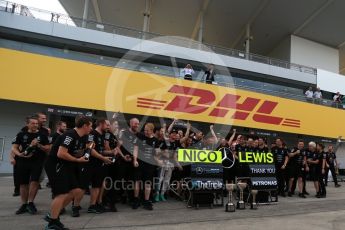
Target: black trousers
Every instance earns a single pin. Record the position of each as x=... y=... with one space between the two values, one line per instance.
x=16 y=180
x=281 y=179
x=123 y=175
x=334 y=175
x=322 y=185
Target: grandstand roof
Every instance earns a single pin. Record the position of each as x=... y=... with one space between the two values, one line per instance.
x=225 y=21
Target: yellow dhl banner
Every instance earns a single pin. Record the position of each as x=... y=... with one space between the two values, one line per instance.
x=55 y=81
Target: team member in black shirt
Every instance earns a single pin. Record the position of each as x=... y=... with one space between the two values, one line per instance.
x=42 y=119
x=30 y=147
x=63 y=168
x=333 y=164
x=112 y=192
x=312 y=166
x=322 y=168
x=127 y=140
x=297 y=159
x=174 y=143
x=229 y=174
x=281 y=159
x=251 y=145
x=242 y=169
x=198 y=140
x=97 y=165
x=262 y=148
x=61 y=127
x=145 y=160
x=16 y=183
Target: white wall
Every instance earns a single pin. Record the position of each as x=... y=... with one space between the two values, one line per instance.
x=330 y=82
x=313 y=54
x=342 y=60
x=12 y=119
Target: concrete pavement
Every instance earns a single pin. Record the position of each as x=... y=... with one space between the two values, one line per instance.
x=289 y=213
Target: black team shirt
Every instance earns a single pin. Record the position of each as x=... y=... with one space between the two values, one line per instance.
x=147 y=149
x=99 y=141
x=24 y=138
x=197 y=144
x=70 y=140
x=54 y=137
x=111 y=138
x=297 y=160
x=331 y=159
x=322 y=156
x=128 y=139
x=312 y=156
x=279 y=156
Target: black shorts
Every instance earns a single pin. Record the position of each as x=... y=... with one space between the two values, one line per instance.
x=314 y=173
x=63 y=176
x=83 y=176
x=188 y=77
x=242 y=170
x=178 y=175
x=96 y=174
x=229 y=174
x=295 y=171
x=145 y=172
x=29 y=170
x=123 y=170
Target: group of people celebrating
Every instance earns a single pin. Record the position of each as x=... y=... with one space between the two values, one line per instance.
x=120 y=165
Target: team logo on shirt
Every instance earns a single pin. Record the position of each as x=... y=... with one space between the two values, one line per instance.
x=68 y=140
x=90 y=138
x=205 y=98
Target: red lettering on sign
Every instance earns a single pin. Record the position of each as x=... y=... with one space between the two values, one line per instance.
x=182 y=103
x=205 y=98
x=229 y=101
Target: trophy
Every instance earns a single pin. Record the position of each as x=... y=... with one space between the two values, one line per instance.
x=254 y=205
x=230 y=206
x=240 y=203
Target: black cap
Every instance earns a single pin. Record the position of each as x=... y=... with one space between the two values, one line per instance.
x=174 y=131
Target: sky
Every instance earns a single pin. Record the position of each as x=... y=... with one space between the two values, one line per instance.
x=49 y=5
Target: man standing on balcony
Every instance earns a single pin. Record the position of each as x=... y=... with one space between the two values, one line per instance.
x=309 y=94
x=210 y=73
x=317 y=96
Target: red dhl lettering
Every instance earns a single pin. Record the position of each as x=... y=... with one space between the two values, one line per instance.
x=182 y=102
